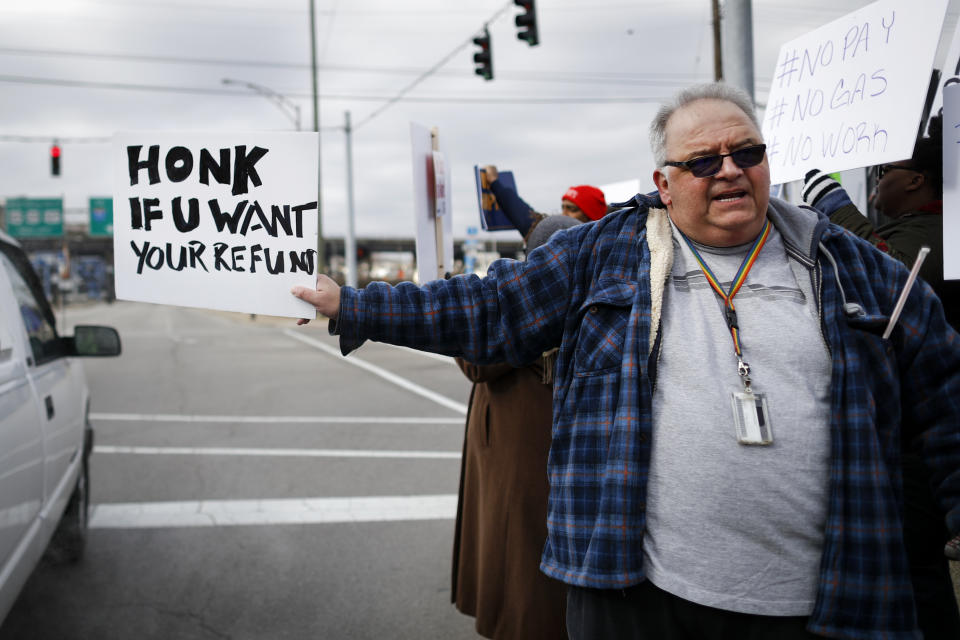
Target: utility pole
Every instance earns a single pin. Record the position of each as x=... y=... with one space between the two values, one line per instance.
x=321 y=258
x=350 y=245
x=738 y=45
x=717 y=50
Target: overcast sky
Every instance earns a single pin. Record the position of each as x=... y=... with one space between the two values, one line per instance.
x=573 y=110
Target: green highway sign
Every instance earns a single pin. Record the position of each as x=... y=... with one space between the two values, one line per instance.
x=35 y=217
x=101 y=217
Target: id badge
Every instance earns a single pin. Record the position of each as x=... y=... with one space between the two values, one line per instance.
x=751 y=417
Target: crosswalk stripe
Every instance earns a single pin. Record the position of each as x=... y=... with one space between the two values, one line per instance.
x=383 y=373
x=232 y=513
x=287 y=453
x=173 y=417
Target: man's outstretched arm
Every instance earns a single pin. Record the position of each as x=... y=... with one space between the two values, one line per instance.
x=512 y=315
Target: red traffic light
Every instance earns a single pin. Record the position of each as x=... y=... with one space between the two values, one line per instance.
x=55 y=160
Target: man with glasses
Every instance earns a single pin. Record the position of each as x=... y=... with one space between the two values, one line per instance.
x=727 y=416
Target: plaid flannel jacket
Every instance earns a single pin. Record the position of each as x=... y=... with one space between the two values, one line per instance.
x=588 y=291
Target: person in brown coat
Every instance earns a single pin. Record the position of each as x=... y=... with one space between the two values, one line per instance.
x=502 y=511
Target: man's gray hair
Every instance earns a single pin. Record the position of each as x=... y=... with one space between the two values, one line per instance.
x=712 y=91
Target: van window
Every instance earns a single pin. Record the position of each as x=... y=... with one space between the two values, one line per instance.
x=43 y=336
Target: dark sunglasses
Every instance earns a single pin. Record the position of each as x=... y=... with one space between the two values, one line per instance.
x=884 y=168
x=706 y=166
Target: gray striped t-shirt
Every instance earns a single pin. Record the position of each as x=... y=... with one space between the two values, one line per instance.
x=732 y=526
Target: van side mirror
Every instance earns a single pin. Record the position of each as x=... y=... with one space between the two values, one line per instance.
x=93 y=340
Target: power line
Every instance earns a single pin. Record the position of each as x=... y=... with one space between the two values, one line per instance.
x=104 y=55
x=426 y=74
x=206 y=6
x=145 y=4
x=586 y=77
x=84 y=84
x=60 y=139
x=60 y=82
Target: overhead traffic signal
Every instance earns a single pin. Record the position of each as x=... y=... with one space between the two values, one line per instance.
x=483 y=57
x=55 y=159
x=527 y=22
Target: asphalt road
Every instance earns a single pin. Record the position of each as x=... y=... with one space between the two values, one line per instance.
x=249 y=483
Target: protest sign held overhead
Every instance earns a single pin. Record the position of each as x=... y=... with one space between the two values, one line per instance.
x=851 y=93
x=492 y=217
x=216 y=220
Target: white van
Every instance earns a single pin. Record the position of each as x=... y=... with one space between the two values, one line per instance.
x=45 y=434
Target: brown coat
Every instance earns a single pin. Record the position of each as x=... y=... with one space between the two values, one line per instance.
x=502 y=511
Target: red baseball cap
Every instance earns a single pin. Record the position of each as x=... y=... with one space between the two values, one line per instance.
x=588 y=199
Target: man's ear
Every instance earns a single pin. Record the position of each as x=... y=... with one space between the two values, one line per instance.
x=917 y=182
x=663 y=186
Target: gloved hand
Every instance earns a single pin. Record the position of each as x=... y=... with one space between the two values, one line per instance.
x=952 y=549
x=823 y=193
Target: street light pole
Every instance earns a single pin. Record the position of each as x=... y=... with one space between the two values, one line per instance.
x=321 y=258
x=717 y=47
x=350 y=245
x=290 y=108
x=738 y=45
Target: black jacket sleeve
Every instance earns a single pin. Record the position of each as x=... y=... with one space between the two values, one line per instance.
x=519 y=212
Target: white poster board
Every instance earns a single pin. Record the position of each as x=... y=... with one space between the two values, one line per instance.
x=440 y=204
x=425 y=207
x=951 y=182
x=623 y=190
x=216 y=220
x=950 y=74
x=850 y=94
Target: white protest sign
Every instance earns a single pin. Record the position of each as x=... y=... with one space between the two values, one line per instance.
x=950 y=72
x=623 y=190
x=439 y=184
x=216 y=220
x=951 y=181
x=850 y=94
x=429 y=235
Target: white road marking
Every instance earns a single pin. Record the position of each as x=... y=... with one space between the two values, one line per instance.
x=173 y=417
x=284 y=453
x=230 y=513
x=383 y=373
x=425 y=354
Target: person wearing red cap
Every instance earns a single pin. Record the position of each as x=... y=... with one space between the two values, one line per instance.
x=583 y=203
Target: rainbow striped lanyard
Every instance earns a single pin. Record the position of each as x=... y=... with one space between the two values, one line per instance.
x=729 y=311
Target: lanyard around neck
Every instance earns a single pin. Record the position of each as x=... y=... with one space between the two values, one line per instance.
x=730 y=312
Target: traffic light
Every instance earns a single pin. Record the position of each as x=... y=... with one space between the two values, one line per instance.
x=527 y=22
x=483 y=58
x=55 y=159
